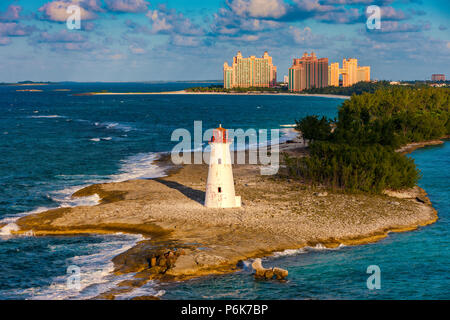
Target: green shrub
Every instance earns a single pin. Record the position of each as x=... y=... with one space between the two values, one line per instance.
x=371 y=168
x=360 y=153
x=313 y=128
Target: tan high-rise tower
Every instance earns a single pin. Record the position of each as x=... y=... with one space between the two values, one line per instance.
x=308 y=72
x=351 y=73
x=333 y=74
x=250 y=72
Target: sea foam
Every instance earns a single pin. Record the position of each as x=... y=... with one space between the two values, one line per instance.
x=96 y=269
x=317 y=247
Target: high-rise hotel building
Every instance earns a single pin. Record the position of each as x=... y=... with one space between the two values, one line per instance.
x=351 y=73
x=308 y=72
x=438 y=77
x=250 y=72
x=333 y=74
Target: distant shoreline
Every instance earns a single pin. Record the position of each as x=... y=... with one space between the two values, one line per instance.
x=184 y=92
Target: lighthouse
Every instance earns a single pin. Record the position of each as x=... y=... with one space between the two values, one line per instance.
x=220 y=184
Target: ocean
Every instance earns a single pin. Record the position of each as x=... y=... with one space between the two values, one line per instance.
x=54 y=143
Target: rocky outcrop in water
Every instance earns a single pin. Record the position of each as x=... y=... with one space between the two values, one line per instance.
x=263 y=273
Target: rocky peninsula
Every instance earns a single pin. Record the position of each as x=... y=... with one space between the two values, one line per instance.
x=184 y=239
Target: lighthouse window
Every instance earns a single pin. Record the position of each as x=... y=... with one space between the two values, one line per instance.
x=220 y=161
x=220 y=190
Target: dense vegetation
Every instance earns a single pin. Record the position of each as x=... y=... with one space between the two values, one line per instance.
x=357 y=88
x=313 y=128
x=357 y=151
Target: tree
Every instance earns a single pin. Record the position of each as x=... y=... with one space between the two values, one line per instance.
x=359 y=155
x=312 y=128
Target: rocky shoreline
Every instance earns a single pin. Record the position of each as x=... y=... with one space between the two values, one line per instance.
x=185 y=240
x=410 y=147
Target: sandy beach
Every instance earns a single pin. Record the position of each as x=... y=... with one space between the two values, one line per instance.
x=181 y=92
x=277 y=214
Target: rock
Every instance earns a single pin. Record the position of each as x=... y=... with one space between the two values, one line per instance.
x=263 y=273
x=185 y=265
x=404 y=194
x=146 y=298
x=321 y=194
x=422 y=199
x=240 y=264
x=158 y=270
x=180 y=252
x=269 y=274
x=204 y=259
x=281 y=274
x=171 y=261
x=162 y=262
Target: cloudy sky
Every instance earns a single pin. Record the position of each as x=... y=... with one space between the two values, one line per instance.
x=139 y=40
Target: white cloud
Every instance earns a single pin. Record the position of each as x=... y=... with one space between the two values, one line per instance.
x=259 y=8
x=159 y=21
x=301 y=35
x=185 y=41
x=57 y=10
x=169 y=21
x=127 y=5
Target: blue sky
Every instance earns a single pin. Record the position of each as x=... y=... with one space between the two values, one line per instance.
x=139 y=40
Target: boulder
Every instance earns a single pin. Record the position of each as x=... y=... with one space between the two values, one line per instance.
x=185 y=265
x=263 y=273
x=162 y=262
x=280 y=273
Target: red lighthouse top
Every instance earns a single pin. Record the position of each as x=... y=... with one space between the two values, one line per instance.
x=220 y=135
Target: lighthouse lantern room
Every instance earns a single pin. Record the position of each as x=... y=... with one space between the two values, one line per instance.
x=220 y=184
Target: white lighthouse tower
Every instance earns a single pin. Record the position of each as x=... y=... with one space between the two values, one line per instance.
x=220 y=185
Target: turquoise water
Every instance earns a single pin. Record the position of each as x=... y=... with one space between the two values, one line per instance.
x=54 y=143
x=414 y=265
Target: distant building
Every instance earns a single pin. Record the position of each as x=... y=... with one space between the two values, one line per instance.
x=333 y=74
x=286 y=79
x=308 y=72
x=363 y=74
x=250 y=72
x=438 y=77
x=351 y=73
